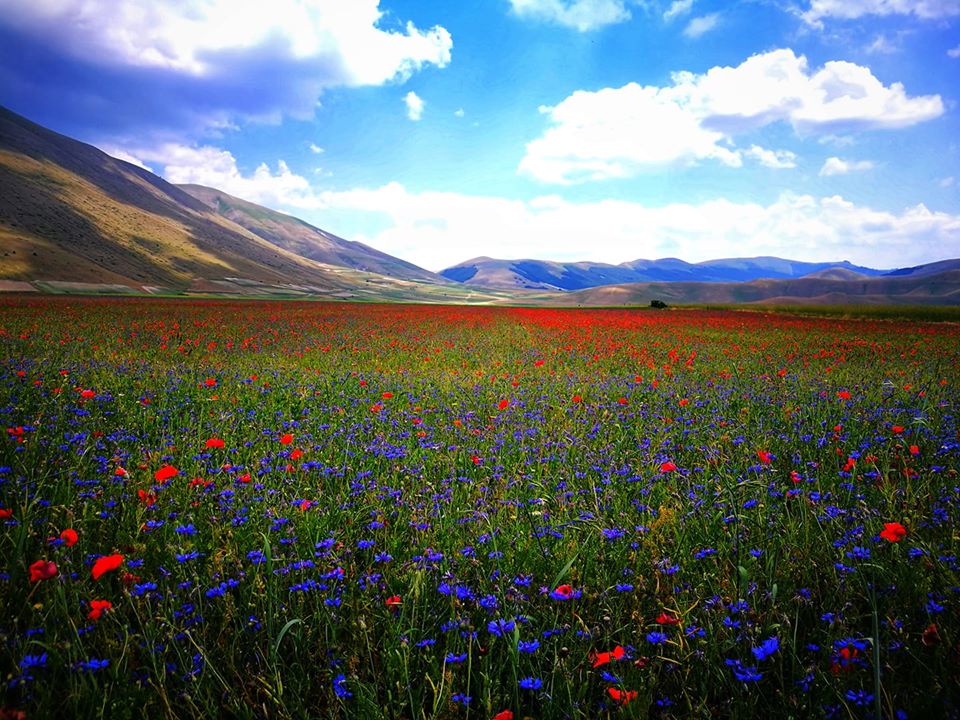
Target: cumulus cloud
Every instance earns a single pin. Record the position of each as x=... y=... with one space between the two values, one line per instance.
x=582 y=15
x=207 y=55
x=618 y=132
x=677 y=9
x=777 y=159
x=954 y=52
x=439 y=229
x=853 y=9
x=701 y=25
x=218 y=168
x=836 y=166
x=414 y=105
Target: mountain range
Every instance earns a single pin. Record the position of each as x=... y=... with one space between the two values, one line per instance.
x=74 y=219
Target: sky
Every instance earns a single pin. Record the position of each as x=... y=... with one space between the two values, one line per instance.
x=601 y=130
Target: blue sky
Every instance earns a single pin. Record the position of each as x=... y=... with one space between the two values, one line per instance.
x=605 y=130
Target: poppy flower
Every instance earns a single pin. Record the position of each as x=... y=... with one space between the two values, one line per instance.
x=376 y=407
x=621 y=696
x=69 y=537
x=896 y=429
x=88 y=394
x=931 y=636
x=603 y=658
x=210 y=382
x=43 y=570
x=565 y=592
x=914 y=449
x=97 y=608
x=393 y=601
x=503 y=715
x=286 y=439
x=764 y=456
x=120 y=472
x=296 y=454
x=576 y=398
x=6 y=513
x=843 y=395
x=667 y=619
x=504 y=404
x=106 y=564
x=667 y=467
x=214 y=443
x=387 y=395
x=893 y=532
x=165 y=473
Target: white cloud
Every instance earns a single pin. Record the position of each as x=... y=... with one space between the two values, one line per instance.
x=217 y=168
x=676 y=9
x=882 y=45
x=439 y=229
x=954 y=52
x=947 y=181
x=701 y=25
x=209 y=53
x=121 y=154
x=414 y=105
x=459 y=112
x=618 y=132
x=582 y=15
x=836 y=166
x=316 y=149
x=853 y=9
x=778 y=159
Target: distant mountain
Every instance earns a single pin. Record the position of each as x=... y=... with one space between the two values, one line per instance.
x=548 y=275
x=71 y=214
x=939 y=288
x=928 y=269
x=303 y=239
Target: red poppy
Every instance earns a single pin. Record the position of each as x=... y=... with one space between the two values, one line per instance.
x=393 y=601
x=98 y=607
x=504 y=404
x=504 y=715
x=296 y=454
x=376 y=407
x=914 y=449
x=69 y=537
x=42 y=570
x=165 y=473
x=214 y=443
x=286 y=439
x=931 y=636
x=210 y=382
x=387 y=395
x=577 y=398
x=623 y=401
x=564 y=591
x=893 y=532
x=120 y=472
x=897 y=429
x=6 y=513
x=88 y=394
x=603 y=658
x=764 y=456
x=667 y=467
x=622 y=696
x=147 y=498
x=106 y=564
x=843 y=395
x=667 y=619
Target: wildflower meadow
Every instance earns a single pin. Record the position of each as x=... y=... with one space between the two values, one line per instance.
x=295 y=509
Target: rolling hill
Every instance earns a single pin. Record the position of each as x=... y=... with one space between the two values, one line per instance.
x=548 y=275
x=73 y=216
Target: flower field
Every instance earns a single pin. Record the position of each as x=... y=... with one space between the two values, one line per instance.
x=272 y=510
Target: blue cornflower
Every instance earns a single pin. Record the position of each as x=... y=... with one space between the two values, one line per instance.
x=767 y=648
x=452 y=659
x=528 y=647
x=499 y=627
x=340 y=686
x=531 y=683
x=656 y=638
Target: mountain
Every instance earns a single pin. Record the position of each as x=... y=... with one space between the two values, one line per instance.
x=928 y=269
x=305 y=240
x=547 y=275
x=936 y=288
x=72 y=216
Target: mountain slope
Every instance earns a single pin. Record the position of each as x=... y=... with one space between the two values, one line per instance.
x=69 y=212
x=936 y=289
x=548 y=275
x=303 y=239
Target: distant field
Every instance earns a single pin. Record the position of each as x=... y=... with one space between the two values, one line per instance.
x=302 y=509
